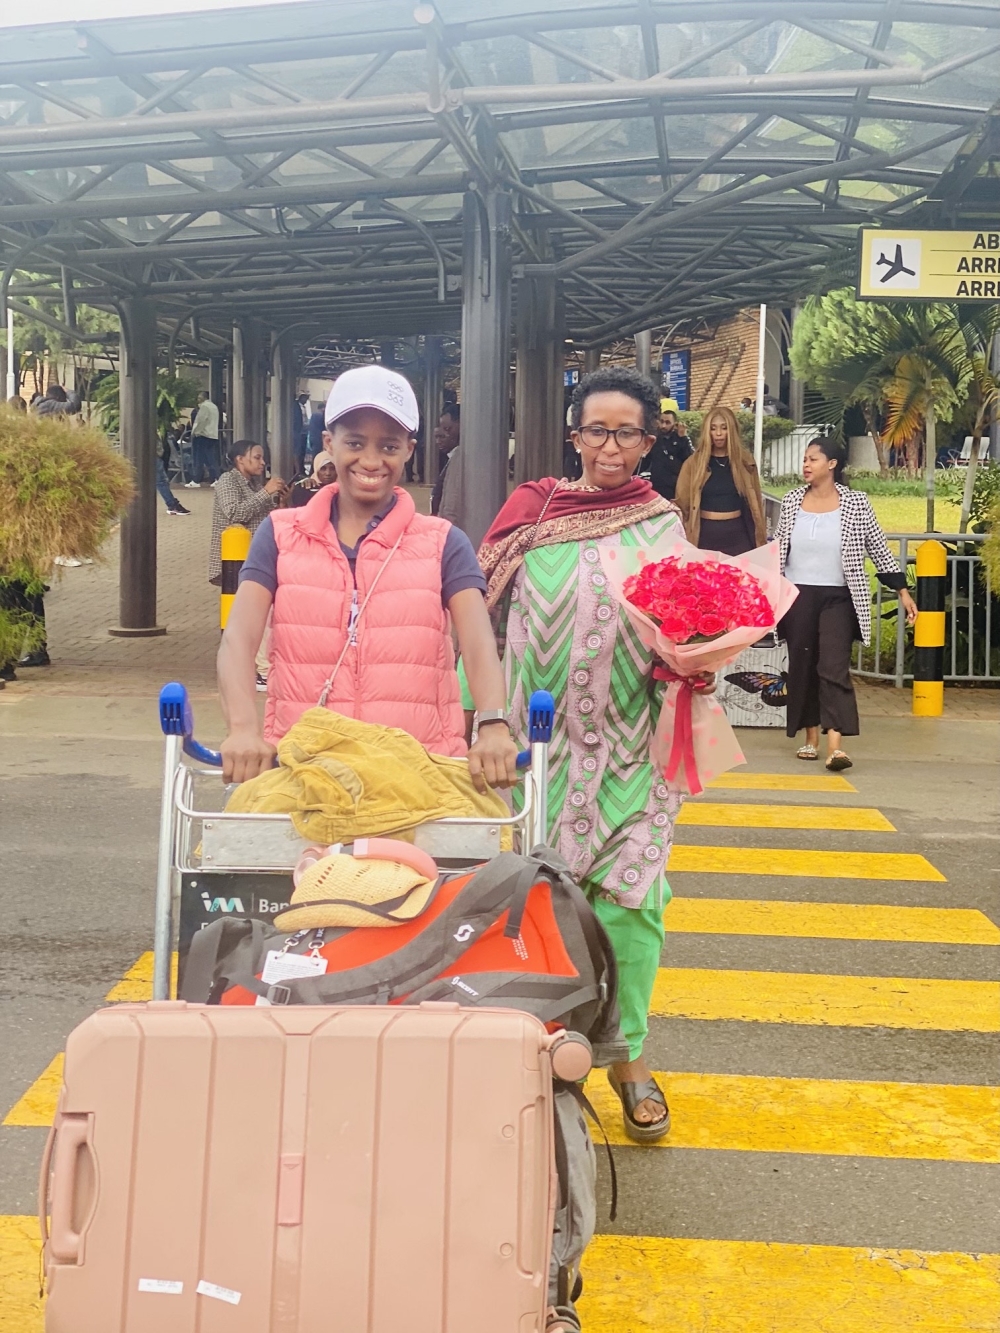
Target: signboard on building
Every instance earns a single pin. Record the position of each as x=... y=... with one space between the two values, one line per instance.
x=676 y=376
x=929 y=265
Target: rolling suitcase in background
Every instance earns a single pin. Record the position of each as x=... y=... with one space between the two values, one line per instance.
x=753 y=690
x=303 y=1170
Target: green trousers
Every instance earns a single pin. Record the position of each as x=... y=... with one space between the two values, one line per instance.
x=636 y=935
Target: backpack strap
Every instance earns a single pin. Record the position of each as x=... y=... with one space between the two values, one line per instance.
x=240 y=939
x=549 y=998
x=583 y=1101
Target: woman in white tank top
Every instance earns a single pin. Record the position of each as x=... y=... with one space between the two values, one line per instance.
x=824 y=533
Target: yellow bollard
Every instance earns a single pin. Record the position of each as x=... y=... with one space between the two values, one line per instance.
x=928 y=633
x=234 y=546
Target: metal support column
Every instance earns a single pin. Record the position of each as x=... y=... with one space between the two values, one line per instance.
x=644 y=354
x=260 y=384
x=249 y=382
x=796 y=387
x=433 y=363
x=539 y=421
x=240 y=405
x=591 y=360
x=283 y=405
x=137 y=402
x=485 y=358
x=217 y=380
x=226 y=428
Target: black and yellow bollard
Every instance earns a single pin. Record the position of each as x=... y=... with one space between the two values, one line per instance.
x=928 y=633
x=234 y=546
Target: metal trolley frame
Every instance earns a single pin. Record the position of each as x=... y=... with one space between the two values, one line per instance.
x=199 y=849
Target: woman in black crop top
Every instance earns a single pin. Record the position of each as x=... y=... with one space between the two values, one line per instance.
x=718 y=490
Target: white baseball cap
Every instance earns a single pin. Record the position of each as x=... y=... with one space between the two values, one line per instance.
x=373 y=386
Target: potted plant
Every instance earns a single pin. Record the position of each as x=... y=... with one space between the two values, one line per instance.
x=62 y=486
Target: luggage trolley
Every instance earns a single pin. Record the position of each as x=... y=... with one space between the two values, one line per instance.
x=211 y=861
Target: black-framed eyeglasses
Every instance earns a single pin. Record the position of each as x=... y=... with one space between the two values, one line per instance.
x=626 y=437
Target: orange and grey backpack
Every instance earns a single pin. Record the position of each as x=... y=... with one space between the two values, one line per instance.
x=516 y=934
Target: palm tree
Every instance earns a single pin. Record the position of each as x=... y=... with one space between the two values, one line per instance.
x=924 y=361
x=900 y=363
x=980 y=329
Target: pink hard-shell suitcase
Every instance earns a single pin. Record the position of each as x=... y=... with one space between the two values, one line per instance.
x=301 y=1170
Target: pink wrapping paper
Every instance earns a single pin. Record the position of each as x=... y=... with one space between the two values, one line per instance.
x=694 y=742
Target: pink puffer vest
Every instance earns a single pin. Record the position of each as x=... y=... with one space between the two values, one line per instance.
x=401 y=671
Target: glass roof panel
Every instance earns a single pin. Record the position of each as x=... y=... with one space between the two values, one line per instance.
x=750 y=98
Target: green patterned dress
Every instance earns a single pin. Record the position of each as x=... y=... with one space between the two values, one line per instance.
x=610 y=815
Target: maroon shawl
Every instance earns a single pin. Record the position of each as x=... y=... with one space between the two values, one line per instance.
x=546 y=512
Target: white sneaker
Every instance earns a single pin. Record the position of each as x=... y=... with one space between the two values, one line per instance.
x=261 y=684
x=193 y=485
x=67 y=561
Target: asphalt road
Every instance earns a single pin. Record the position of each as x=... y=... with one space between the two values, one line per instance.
x=79 y=801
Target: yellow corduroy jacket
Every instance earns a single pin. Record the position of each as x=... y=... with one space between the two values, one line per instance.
x=341 y=779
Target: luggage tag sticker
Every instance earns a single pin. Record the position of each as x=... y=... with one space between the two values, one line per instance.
x=280 y=966
x=218 y=1293
x=164 y=1286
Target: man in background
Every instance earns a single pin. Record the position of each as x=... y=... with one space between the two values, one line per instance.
x=205 y=441
x=56 y=403
x=314 y=433
x=668 y=454
x=300 y=430
x=447 y=492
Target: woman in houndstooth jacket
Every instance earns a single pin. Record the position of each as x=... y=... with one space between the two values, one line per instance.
x=824 y=533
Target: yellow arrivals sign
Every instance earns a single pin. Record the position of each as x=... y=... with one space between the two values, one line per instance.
x=930 y=265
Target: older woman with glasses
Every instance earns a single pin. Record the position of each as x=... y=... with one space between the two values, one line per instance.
x=610 y=814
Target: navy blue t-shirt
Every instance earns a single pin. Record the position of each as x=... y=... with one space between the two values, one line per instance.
x=459 y=566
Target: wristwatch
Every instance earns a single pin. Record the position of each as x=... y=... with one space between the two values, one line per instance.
x=492 y=715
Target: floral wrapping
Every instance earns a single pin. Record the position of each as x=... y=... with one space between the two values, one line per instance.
x=694 y=742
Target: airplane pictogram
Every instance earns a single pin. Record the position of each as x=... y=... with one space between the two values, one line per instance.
x=895 y=266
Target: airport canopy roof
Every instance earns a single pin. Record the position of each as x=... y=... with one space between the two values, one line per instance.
x=668 y=160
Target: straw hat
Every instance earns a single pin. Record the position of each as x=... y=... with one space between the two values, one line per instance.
x=342 y=891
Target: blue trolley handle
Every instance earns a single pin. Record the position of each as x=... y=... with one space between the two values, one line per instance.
x=177 y=719
x=541 y=715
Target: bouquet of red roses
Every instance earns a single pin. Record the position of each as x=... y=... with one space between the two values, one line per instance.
x=696 y=601
x=697 y=610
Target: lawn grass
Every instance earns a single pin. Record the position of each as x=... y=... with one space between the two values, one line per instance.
x=906 y=513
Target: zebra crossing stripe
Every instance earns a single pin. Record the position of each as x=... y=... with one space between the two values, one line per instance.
x=649 y=1284
x=730 y=814
x=830 y=921
x=807 y=864
x=833 y=1117
x=736 y=781
x=827 y=1001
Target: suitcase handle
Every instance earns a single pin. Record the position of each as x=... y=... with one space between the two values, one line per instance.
x=43 y=1186
x=72 y=1134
